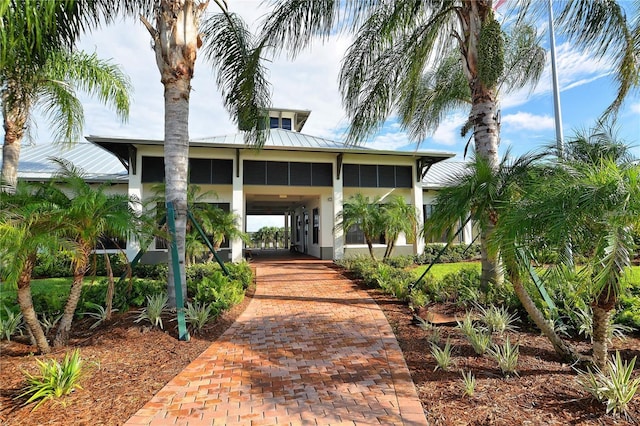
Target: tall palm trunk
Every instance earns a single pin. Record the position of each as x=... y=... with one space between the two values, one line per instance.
x=483 y=116
x=64 y=326
x=14 y=122
x=176 y=40
x=26 y=306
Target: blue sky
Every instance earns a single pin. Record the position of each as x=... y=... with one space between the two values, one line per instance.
x=310 y=82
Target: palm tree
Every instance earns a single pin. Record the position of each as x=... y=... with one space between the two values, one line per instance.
x=366 y=214
x=51 y=89
x=592 y=199
x=84 y=215
x=224 y=226
x=176 y=37
x=389 y=66
x=398 y=217
x=26 y=226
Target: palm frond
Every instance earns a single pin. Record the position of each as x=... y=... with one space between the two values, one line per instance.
x=236 y=58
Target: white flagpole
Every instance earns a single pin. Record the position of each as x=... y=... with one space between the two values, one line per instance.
x=556 y=88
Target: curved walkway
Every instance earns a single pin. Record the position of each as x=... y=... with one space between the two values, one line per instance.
x=310 y=349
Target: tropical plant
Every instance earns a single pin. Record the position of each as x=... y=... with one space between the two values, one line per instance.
x=498 y=319
x=49 y=321
x=177 y=34
x=591 y=205
x=612 y=385
x=99 y=314
x=506 y=355
x=198 y=315
x=85 y=214
x=398 y=217
x=55 y=379
x=11 y=324
x=468 y=383
x=364 y=213
x=584 y=318
x=27 y=224
x=50 y=87
x=442 y=355
x=156 y=306
x=387 y=68
x=480 y=341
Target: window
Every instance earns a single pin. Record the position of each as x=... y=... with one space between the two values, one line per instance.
x=201 y=170
x=286 y=123
x=287 y=173
x=356 y=236
x=274 y=122
x=376 y=176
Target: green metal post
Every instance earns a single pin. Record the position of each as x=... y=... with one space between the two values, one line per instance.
x=536 y=279
x=183 y=333
x=207 y=242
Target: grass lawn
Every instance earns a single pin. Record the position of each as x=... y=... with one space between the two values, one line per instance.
x=439 y=270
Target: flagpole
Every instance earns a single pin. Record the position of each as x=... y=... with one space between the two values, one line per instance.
x=556 y=88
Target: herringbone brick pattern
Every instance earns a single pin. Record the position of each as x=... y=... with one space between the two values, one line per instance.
x=311 y=349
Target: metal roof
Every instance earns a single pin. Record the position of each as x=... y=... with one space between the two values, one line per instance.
x=98 y=164
x=440 y=174
x=279 y=139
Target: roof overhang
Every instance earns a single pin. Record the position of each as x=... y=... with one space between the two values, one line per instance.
x=122 y=148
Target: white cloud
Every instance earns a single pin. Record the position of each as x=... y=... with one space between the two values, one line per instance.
x=635 y=108
x=527 y=121
x=448 y=133
x=391 y=141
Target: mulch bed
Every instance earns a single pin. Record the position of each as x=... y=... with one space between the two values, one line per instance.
x=130 y=363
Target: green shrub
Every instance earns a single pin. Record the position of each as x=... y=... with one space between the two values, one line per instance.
x=242 y=272
x=127 y=293
x=506 y=356
x=418 y=298
x=49 y=303
x=52 y=265
x=198 y=271
x=198 y=315
x=400 y=261
x=218 y=290
x=442 y=356
x=55 y=379
x=153 y=272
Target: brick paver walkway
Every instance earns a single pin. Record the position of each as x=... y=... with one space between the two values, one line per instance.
x=310 y=349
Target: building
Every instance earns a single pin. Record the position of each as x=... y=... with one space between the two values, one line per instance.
x=304 y=178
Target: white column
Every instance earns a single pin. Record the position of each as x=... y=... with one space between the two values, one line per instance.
x=417 y=195
x=338 y=233
x=286 y=230
x=237 y=207
x=135 y=191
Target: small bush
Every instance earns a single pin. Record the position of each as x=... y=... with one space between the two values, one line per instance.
x=127 y=293
x=468 y=384
x=442 y=356
x=153 y=272
x=198 y=315
x=156 y=306
x=498 y=320
x=506 y=356
x=242 y=272
x=480 y=342
x=418 y=298
x=55 y=379
x=218 y=290
x=453 y=253
x=11 y=324
x=613 y=386
x=99 y=314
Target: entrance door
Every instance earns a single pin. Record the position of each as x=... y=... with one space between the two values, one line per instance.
x=305 y=237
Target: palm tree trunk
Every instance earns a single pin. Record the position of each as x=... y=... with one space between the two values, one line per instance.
x=370 y=246
x=110 y=288
x=560 y=346
x=26 y=306
x=64 y=326
x=175 y=40
x=490 y=263
x=602 y=311
x=14 y=121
